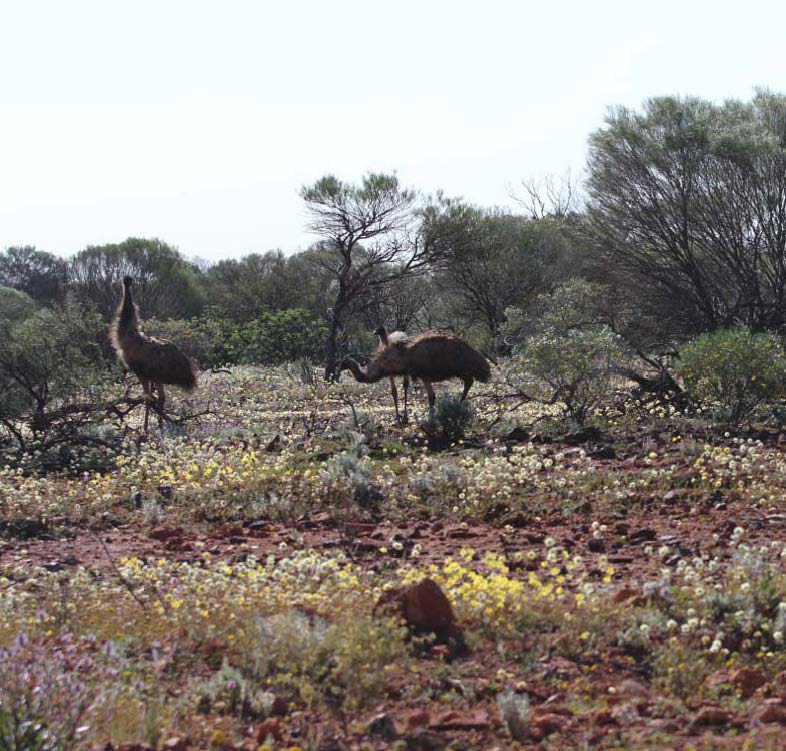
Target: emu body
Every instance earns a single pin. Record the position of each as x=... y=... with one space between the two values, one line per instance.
x=432 y=357
x=155 y=362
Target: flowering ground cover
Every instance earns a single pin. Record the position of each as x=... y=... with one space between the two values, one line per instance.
x=213 y=586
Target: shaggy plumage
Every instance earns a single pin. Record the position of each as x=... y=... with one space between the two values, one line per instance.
x=386 y=340
x=156 y=362
x=431 y=357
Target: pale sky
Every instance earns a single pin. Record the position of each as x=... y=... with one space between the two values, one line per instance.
x=197 y=122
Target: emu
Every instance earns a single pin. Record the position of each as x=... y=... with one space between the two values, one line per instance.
x=155 y=362
x=432 y=357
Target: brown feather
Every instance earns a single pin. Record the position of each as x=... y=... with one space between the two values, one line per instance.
x=433 y=356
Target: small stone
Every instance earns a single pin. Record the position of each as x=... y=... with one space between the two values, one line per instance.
x=710 y=717
x=596 y=545
x=381 y=725
x=773 y=713
x=176 y=743
x=420 y=718
x=747 y=680
x=549 y=723
x=423 y=606
x=643 y=535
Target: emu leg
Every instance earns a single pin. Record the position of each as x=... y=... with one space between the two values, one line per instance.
x=432 y=397
x=394 y=391
x=406 y=391
x=160 y=405
x=148 y=397
x=468 y=381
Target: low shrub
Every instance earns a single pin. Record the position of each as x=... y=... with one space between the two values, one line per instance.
x=573 y=368
x=734 y=371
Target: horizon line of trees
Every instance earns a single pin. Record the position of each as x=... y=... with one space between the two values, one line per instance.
x=679 y=228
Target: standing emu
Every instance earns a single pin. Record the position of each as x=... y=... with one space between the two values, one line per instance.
x=385 y=340
x=155 y=362
x=431 y=357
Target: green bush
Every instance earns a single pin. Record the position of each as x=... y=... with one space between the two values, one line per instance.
x=272 y=338
x=450 y=420
x=573 y=368
x=734 y=370
x=282 y=336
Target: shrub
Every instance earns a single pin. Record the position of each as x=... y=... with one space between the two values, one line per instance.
x=51 y=692
x=282 y=336
x=735 y=370
x=52 y=376
x=574 y=368
x=210 y=340
x=274 y=337
x=450 y=420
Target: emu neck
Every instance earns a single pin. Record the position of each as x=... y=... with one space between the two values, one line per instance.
x=127 y=320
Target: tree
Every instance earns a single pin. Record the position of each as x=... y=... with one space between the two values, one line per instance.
x=168 y=285
x=245 y=287
x=687 y=208
x=41 y=275
x=367 y=241
x=498 y=260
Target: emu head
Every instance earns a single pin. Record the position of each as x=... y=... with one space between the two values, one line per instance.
x=128 y=281
x=380 y=331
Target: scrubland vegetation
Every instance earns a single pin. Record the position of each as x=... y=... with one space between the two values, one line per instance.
x=605 y=518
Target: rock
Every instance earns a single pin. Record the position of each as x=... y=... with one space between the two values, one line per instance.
x=670 y=497
x=643 y=535
x=426 y=740
x=166 y=491
x=270 y=728
x=603 y=452
x=547 y=723
x=710 y=717
x=477 y=720
x=420 y=718
x=164 y=533
x=423 y=606
x=135 y=499
x=773 y=713
x=279 y=707
x=747 y=680
x=176 y=743
x=381 y=725
x=602 y=718
x=626 y=593
x=596 y=545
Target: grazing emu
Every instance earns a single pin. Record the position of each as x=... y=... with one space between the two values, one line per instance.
x=385 y=340
x=431 y=357
x=154 y=361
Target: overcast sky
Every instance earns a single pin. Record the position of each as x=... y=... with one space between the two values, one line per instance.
x=197 y=122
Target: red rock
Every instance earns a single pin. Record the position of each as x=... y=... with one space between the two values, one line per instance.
x=164 y=533
x=747 y=680
x=710 y=717
x=603 y=717
x=439 y=650
x=548 y=723
x=477 y=720
x=625 y=594
x=279 y=707
x=423 y=606
x=268 y=728
x=773 y=713
x=420 y=718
